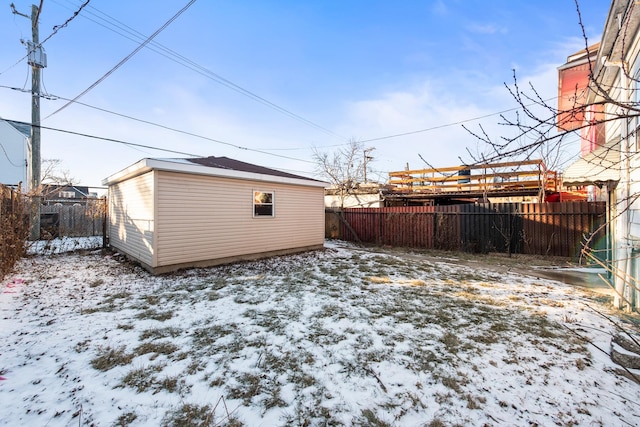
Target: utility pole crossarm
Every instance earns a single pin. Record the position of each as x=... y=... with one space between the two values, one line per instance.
x=15 y=11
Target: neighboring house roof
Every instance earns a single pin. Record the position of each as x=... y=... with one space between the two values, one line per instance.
x=581 y=57
x=597 y=167
x=213 y=166
x=52 y=190
x=23 y=128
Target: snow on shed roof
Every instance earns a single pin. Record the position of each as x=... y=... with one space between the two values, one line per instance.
x=213 y=166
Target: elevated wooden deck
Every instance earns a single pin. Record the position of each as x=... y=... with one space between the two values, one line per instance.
x=507 y=179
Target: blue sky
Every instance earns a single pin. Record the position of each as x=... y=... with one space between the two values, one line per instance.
x=355 y=69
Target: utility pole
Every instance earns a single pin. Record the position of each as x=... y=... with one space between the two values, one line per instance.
x=37 y=59
x=367 y=158
x=36 y=64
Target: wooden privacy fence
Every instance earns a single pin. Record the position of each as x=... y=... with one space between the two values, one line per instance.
x=78 y=220
x=557 y=229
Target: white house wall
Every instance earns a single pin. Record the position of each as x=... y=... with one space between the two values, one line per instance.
x=131 y=217
x=13 y=146
x=634 y=161
x=203 y=218
x=353 y=201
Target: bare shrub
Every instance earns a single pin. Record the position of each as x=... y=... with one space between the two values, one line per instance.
x=14 y=228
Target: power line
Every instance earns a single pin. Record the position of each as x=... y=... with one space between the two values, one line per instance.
x=71 y=18
x=8 y=158
x=135 y=36
x=133 y=144
x=12 y=66
x=118 y=141
x=451 y=124
x=239 y=147
x=136 y=50
x=263 y=151
x=55 y=30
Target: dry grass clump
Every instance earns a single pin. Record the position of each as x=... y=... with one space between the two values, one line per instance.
x=380 y=280
x=109 y=357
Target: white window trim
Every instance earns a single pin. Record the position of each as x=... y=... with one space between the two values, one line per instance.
x=273 y=203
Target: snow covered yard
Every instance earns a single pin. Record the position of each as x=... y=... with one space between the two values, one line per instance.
x=336 y=337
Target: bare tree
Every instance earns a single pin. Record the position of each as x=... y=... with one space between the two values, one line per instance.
x=53 y=173
x=345 y=168
x=542 y=128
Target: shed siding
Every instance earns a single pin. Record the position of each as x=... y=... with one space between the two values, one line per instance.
x=131 y=223
x=202 y=218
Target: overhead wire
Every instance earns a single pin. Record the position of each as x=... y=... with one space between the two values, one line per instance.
x=8 y=158
x=176 y=57
x=14 y=65
x=71 y=18
x=118 y=141
x=195 y=135
x=202 y=70
x=132 y=144
x=119 y=64
x=55 y=30
x=262 y=151
x=180 y=59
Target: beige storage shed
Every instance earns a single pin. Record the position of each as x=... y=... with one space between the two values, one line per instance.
x=169 y=214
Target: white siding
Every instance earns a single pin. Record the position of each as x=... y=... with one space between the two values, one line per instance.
x=13 y=156
x=353 y=201
x=131 y=217
x=203 y=218
x=634 y=163
x=613 y=128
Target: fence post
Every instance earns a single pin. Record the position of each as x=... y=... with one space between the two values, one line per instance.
x=105 y=239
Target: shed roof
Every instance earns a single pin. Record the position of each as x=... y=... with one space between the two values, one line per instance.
x=213 y=166
x=237 y=165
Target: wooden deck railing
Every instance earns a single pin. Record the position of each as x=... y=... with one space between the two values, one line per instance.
x=521 y=175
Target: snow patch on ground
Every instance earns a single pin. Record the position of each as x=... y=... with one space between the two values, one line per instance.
x=333 y=337
x=63 y=244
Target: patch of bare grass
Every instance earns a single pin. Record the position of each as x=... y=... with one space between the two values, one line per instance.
x=159 y=333
x=141 y=379
x=379 y=280
x=154 y=314
x=189 y=415
x=156 y=348
x=370 y=419
x=451 y=342
x=95 y=283
x=126 y=419
x=146 y=379
x=109 y=357
x=125 y=326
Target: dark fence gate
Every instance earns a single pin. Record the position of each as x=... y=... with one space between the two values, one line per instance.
x=556 y=229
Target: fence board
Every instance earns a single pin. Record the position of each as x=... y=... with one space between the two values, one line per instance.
x=77 y=220
x=543 y=229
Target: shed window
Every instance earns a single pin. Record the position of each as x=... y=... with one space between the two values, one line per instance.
x=263 y=202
